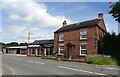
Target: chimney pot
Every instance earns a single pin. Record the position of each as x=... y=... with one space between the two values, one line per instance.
x=64 y=23
x=100 y=15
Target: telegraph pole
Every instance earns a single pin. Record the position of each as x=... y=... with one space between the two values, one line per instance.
x=28 y=43
x=28 y=37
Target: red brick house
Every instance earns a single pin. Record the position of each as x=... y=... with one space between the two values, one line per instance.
x=79 y=39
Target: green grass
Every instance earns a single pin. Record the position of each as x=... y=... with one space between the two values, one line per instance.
x=100 y=60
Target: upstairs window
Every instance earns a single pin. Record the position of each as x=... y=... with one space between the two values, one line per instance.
x=61 y=37
x=83 y=34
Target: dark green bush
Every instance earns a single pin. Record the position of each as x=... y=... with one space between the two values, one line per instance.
x=110 y=45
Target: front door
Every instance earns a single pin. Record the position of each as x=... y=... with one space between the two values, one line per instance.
x=18 y=51
x=69 y=51
x=39 y=52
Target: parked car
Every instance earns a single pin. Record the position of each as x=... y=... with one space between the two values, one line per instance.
x=24 y=53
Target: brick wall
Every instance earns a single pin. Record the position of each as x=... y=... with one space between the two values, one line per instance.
x=93 y=35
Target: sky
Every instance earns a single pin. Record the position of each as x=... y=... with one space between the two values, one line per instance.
x=41 y=19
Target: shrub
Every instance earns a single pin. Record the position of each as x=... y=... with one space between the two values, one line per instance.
x=100 y=60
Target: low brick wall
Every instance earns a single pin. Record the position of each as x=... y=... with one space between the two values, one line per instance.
x=74 y=60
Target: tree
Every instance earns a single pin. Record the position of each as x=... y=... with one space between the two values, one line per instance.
x=1 y=43
x=23 y=44
x=115 y=10
x=110 y=45
x=14 y=43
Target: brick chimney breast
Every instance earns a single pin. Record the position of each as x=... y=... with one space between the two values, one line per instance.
x=64 y=23
x=100 y=16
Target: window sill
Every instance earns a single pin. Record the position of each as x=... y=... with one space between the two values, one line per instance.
x=83 y=39
x=60 y=54
x=83 y=54
x=61 y=40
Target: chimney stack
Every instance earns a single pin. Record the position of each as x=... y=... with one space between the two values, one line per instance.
x=100 y=16
x=64 y=23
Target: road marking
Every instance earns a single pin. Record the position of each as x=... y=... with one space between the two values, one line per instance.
x=16 y=59
x=30 y=61
x=38 y=62
x=117 y=69
x=35 y=62
x=98 y=67
x=112 y=68
x=109 y=68
x=99 y=73
x=81 y=70
x=10 y=69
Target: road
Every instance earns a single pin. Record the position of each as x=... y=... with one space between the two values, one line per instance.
x=21 y=65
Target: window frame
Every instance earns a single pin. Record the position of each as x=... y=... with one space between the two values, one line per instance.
x=85 y=30
x=60 y=35
x=83 y=49
x=60 y=49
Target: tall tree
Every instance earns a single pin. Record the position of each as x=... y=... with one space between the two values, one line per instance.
x=115 y=10
x=110 y=45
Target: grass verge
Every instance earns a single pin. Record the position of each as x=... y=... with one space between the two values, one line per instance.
x=100 y=60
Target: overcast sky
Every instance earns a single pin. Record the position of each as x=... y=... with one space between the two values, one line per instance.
x=43 y=18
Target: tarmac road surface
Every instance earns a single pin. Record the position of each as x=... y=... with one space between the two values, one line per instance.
x=34 y=66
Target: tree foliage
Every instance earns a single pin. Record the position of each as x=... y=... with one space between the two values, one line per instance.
x=115 y=10
x=23 y=44
x=12 y=44
x=110 y=45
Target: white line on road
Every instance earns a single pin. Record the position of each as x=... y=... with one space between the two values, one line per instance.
x=38 y=62
x=16 y=59
x=117 y=69
x=109 y=68
x=35 y=62
x=30 y=61
x=81 y=70
x=13 y=73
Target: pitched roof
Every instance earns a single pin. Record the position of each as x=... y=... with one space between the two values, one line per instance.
x=79 y=25
x=43 y=41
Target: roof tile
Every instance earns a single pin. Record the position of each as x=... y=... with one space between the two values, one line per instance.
x=78 y=25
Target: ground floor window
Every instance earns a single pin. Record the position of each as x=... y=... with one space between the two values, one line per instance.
x=23 y=51
x=49 y=51
x=39 y=51
x=83 y=49
x=31 y=51
x=61 y=49
x=12 y=51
